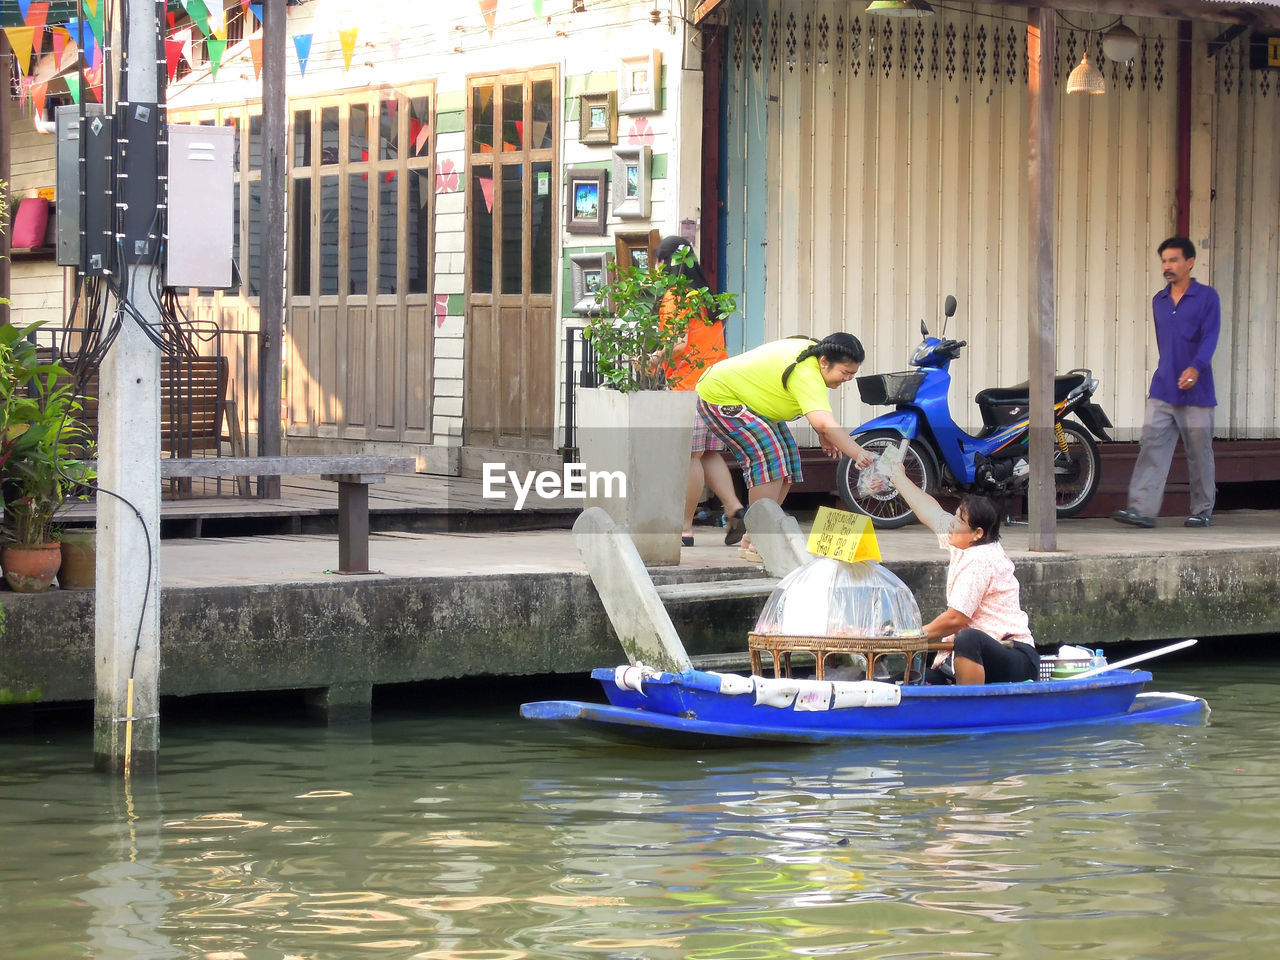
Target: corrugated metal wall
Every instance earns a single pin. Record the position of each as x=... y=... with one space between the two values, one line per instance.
x=874 y=165
x=1246 y=248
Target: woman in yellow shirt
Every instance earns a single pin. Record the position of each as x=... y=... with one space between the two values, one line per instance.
x=746 y=401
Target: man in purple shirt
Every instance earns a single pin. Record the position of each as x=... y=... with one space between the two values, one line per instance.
x=1181 y=399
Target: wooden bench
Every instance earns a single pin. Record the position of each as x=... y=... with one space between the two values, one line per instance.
x=352 y=474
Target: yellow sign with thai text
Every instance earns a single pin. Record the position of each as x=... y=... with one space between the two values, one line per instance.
x=1273 y=51
x=843 y=535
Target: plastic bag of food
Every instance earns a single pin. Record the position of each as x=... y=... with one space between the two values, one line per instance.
x=874 y=481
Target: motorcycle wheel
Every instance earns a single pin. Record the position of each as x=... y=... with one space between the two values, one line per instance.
x=1076 y=472
x=887 y=510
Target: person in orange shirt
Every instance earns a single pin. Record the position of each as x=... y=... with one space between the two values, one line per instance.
x=700 y=347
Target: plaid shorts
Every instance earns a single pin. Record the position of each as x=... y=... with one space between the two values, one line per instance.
x=703 y=439
x=766 y=450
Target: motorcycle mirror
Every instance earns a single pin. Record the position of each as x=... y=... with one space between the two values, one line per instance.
x=924 y=331
x=949 y=307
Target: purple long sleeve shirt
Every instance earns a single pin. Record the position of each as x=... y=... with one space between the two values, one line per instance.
x=1186 y=336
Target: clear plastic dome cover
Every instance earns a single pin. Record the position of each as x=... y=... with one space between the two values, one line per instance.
x=832 y=598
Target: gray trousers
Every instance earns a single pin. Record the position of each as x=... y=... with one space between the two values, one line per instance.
x=1162 y=424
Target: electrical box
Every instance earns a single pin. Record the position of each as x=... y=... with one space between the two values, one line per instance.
x=201 y=181
x=70 y=191
x=97 y=250
x=137 y=182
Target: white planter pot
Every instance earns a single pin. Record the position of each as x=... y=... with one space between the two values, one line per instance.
x=645 y=438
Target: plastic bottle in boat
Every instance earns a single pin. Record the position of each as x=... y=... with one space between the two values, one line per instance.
x=1098 y=659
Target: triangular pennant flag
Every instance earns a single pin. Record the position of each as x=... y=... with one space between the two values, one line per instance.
x=216 y=48
x=486 y=187
x=92 y=7
x=171 y=18
x=537 y=8
x=256 y=10
x=489 y=10
x=183 y=37
x=199 y=15
x=97 y=22
x=59 y=43
x=302 y=44
x=20 y=43
x=94 y=76
x=172 y=55
x=82 y=36
x=348 y=40
x=38 y=93
x=255 y=51
x=394 y=39
x=23 y=7
x=73 y=86
x=36 y=19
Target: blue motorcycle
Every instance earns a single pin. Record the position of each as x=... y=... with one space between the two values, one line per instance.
x=942 y=458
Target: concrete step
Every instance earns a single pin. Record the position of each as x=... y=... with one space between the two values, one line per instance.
x=722 y=661
x=716 y=589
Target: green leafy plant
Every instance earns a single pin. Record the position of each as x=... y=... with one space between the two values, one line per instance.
x=42 y=439
x=634 y=346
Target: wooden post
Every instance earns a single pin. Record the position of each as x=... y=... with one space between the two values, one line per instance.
x=274 y=184
x=1041 y=147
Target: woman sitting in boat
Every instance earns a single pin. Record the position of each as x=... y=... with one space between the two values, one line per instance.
x=982 y=594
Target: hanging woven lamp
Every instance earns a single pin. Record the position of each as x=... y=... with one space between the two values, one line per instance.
x=1086 y=78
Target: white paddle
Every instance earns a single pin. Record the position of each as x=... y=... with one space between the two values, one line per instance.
x=1132 y=660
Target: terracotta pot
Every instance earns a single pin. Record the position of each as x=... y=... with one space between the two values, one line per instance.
x=79 y=559
x=31 y=569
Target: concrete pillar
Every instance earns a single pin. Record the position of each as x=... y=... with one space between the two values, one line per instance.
x=127 y=629
x=341 y=703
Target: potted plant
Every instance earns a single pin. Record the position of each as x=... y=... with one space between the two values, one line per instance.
x=633 y=424
x=41 y=441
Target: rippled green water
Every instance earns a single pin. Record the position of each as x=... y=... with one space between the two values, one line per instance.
x=487 y=837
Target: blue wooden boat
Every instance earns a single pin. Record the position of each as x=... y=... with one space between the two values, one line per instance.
x=699 y=709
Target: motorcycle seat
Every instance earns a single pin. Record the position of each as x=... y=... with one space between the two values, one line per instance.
x=1063 y=384
x=1000 y=405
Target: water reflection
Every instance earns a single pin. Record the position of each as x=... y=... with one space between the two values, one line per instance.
x=484 y=837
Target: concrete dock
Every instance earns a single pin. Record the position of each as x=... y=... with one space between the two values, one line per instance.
x=266 y=613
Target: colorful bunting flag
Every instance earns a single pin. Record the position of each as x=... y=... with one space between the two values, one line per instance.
x=73 y=86
x=20 y=39
x=199 y=15
x=36 y=18
x=393 y=38
x=172 y=55
x=537 y=8
x=486 y=187
x=348 y=40
x=489 y=10
x=38 y=92
x=255 y=51
x=184 y=38
x=94 y=76
x=23 y=7
x=302 y=44
x=256 y=10
x=215 y=48
x=83 y=37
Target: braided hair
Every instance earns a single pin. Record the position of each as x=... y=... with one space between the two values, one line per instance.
x=834 y=348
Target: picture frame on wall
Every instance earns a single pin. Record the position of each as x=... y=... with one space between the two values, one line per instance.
x=640 y=83
x=631 y=182
x=588 y=273
x=587 y=198
x=635 y=249
x=598 y=118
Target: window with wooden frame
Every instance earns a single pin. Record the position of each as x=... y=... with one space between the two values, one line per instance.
x=362 y=194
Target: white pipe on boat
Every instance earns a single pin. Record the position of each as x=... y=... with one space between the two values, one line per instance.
x=1132 y=660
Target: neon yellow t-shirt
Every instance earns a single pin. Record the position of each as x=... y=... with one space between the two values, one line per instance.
x=754 y=379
